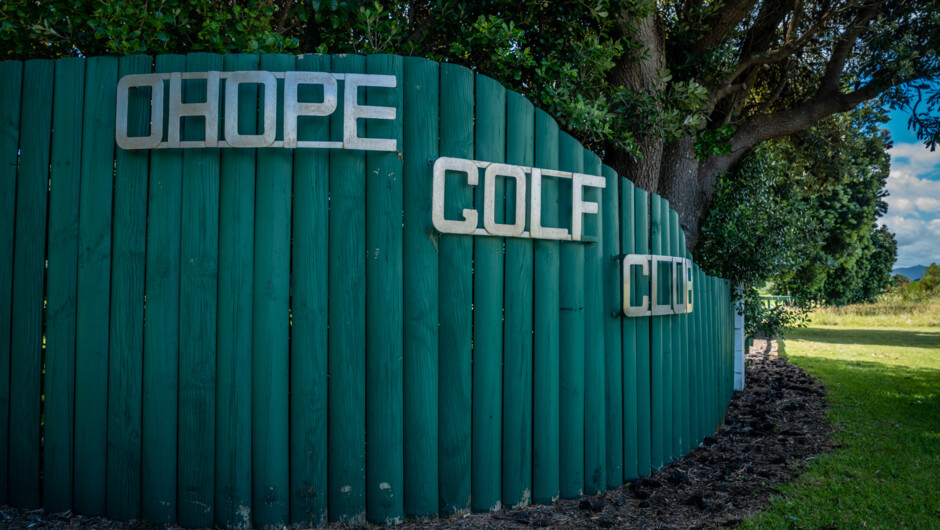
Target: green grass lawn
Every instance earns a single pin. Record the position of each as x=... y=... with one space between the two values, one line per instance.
x=884 y=397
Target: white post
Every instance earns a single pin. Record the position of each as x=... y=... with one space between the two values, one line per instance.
x=739 y=341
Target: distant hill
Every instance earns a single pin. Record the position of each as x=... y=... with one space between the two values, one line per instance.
x=914 y=273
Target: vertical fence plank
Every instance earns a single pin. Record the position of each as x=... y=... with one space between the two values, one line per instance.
x=716 y=352
x=199 y=246
x=676 y=328
x=711 y=371
x=421 y=115
x=665 y=296
x=161 y=334
x=456 y=292
x=712 y=357
x=488 y=262
x=719 y=357
x=125 y=363
x=614 y=359
x=571 y=335
x=517 y=334
x=723 y=359
x=270 y=483
x=596 y=316
x=309 y=316
x=702 y=310
x=641 y=230
x=714 y=370
x=236 y=280
x=690 y=382
x=61 y=284
x=545 y=408
x=729 y=330
x=29 y=254
x=628 y=353
x=725 y=350
x=384 y=298
x=707 y=351
x=728 y=344
x=657 y=344
x=94 y=269
x=698 y=308
x=722 y=327
x=704 y=415
x=690 y=441
x=11 y=72
x=729 y=337
x=347 y=358
x=694 y=368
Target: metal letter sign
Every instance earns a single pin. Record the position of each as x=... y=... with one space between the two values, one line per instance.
x=293 y=109
x=516 y=228
x=681 y=289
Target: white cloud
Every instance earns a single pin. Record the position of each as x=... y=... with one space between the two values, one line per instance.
x=908 y=192
x=912 y=196
x=914 y=203
x=899 y=205
x=927 y=204
x=907 y=230
x=914 y=159
x=918 y=240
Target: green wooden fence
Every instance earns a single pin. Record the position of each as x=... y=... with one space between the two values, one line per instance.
x=269 y=336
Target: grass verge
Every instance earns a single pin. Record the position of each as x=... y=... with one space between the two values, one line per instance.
x=884 y=396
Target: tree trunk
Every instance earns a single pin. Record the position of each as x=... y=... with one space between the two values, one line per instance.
x=669 y=170
x=641 y=71
x=681 y=182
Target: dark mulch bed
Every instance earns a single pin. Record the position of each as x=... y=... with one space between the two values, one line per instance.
x=772 y=429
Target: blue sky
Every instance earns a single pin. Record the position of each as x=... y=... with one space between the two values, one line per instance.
x=913 y=196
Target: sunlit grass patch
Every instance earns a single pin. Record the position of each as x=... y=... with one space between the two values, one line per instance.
x=884 y=395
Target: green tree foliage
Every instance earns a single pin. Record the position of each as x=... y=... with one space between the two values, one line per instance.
x=845 y=168
x=801 y=211
x=60 y=28
x=757 y=225
x=868 y=276
x=931 y=279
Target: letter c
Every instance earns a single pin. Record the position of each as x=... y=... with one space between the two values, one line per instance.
x=441 y=167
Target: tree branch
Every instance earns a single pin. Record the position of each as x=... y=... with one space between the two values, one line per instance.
x=284 y=15
x=843 y=47
x=794 y=20
x=721 y=93
x=724 y=20
x=763 y=127
x=786 y=50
